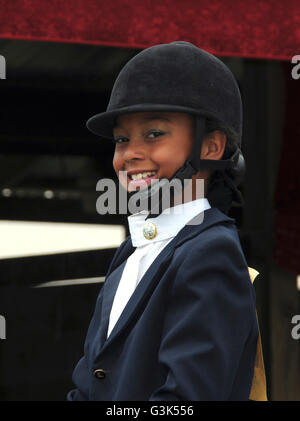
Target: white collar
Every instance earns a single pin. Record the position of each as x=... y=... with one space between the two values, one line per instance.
x=168 y=223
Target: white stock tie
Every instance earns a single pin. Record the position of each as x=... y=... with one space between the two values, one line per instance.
x=127 y=285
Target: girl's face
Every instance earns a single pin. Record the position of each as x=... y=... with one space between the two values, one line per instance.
x=156 y=142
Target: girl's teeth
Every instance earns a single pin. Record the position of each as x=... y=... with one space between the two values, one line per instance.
x=142 y=175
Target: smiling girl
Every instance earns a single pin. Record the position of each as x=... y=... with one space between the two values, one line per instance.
x=175 y=319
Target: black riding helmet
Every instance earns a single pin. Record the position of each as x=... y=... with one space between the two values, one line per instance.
x=178 y=77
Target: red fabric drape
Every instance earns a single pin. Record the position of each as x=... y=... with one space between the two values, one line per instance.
x=249 y=28
x=287 y=198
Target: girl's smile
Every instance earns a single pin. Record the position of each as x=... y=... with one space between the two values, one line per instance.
x=139 y=178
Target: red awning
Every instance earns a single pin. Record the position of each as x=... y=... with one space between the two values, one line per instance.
x=251 y=28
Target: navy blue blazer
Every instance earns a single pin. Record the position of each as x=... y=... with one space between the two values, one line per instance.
x=189 y=331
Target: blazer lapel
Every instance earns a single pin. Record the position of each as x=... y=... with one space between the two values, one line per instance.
x=111 y=283
x=123 y=252
x=150 y=279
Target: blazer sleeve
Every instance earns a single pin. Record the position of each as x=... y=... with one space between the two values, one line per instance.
x=209 y=316
x=81 y=372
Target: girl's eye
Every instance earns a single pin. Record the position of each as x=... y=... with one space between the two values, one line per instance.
x=154 y=133
x=151 y=134
x=120 y=140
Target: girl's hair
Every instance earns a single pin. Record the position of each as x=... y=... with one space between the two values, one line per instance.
x=221 y=187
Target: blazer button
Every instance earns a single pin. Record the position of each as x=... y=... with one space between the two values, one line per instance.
x=99 y=373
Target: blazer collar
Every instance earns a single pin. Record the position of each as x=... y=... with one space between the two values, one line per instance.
x=150 y=279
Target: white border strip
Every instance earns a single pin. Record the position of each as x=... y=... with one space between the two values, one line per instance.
x=68 y=282
x=29 y=238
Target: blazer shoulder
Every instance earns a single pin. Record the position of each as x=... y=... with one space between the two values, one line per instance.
x=225 y=233
x=217 y=242
x=216 y=250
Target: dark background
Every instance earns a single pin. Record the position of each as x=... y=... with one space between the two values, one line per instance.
x=50 y=90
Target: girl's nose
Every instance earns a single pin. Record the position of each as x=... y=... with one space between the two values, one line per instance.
x=134 y=150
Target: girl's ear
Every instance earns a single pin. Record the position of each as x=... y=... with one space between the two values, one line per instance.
x=213 y=145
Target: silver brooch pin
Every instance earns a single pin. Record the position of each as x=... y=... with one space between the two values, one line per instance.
x=149 y=230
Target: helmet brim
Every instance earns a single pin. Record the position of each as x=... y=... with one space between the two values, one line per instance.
x=102 y=124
